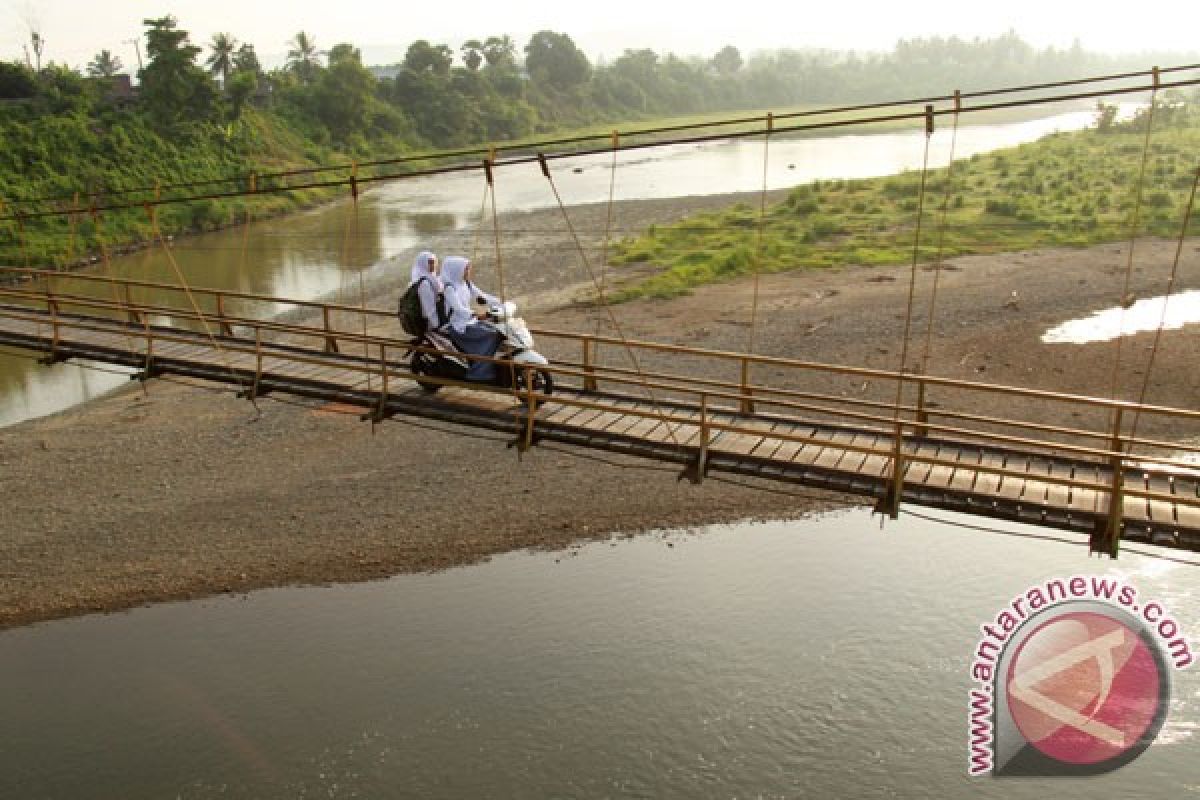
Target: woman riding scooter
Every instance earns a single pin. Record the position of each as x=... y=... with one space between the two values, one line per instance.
x=466 y=306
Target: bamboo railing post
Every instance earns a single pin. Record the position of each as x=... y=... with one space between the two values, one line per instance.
x=747 y=404
x=589 y=369
x=381 y=410
x=258 y=363
x=130 y=314
x=331 y=345
x=892 y=499
x=530 y=398
x=1107 y=541
x=52 y=308
x=224 y=326
x=695 y=473
x=922 y=414
x=149 y=332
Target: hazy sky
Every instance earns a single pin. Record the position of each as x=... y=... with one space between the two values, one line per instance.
x=75 y=30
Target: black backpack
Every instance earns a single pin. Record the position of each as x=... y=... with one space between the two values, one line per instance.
x=412 y=319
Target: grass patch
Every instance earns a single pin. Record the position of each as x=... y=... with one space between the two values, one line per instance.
x=1068 y=189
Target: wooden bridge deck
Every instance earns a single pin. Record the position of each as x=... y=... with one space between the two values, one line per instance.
x=978 y=478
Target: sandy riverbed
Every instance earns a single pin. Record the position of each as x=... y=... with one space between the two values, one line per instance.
x=179 y=491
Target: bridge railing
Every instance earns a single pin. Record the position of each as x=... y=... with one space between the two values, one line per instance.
x=907 y=421
x=212 y=307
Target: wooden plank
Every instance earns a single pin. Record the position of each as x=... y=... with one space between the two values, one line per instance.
x=789 y=448
x=1035 y=490
x=965 y=475
x=1161 y=511
x=1084 y=500
x=852 y=460
x=1135 y=508
x=917 y=472
x=1188 y=515
x=738 y=443
x=770 y=443
x=988 y=483
x=1011 y=488
x=1058 y=495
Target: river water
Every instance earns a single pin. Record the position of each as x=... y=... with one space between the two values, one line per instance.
x=818 y=658
x=324 y=251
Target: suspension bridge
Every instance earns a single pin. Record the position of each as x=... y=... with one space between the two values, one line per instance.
x=707 y=411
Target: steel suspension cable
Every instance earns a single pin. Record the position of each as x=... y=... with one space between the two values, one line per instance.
x=1135 y=220
x=912 y=282
x=1162 y=320
x=698 y=139
x=512 y=367
x=279 y=177
x=606 y=305
x=156 y=232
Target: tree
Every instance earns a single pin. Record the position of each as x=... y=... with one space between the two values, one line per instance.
x=172 y=84
x=16 y=81
x=220 y=63
x=500 y=51
x=303 y=58
x=425 y=57
x=344 y=92
x=246 y=60
x=241 y=87
x=38 y=42
x=727 y=60
x=472 y=54
x=553 y=59
x=104 y=65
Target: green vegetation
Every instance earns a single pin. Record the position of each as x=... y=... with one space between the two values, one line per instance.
x=1071 y=189
x=214 y=115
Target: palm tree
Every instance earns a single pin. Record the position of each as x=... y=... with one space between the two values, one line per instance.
x=303 y=58
x=104 y=65
x=221 y=61
x=472 y=54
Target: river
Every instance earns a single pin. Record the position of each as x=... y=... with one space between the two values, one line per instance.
x=819 y=658
x=323 y=251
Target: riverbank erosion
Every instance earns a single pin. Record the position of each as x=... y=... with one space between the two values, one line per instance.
x=180 y=491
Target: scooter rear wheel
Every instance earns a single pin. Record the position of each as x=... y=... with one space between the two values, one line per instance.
x=422 y=364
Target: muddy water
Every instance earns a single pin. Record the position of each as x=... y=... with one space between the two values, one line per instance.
x=820 y=658
x=324 y=251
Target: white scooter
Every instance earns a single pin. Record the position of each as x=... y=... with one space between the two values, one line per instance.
x=516 y=344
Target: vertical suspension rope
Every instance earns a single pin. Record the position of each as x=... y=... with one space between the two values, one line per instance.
x=110 y=274
x=604 y=300
x=1135 y=220
x=491 y=183
x=912 y=282
x=762 y=221
x=937 y=273
x=479 y=225
x=612 y=185
x=72 y=217
x=187 y=290
x=1162 y=319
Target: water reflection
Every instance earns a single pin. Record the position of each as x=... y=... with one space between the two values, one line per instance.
x=1172 y=312
x=820 y=658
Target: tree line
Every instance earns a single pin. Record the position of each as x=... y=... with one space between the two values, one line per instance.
x=213 y=111
x=489 y=90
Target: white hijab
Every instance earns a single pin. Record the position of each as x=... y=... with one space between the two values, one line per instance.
x=420 y=269
x=454 y=276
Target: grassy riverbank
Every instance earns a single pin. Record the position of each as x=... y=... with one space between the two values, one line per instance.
x=1068 y=189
